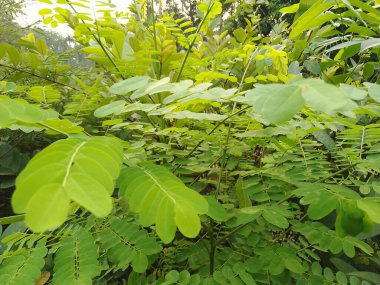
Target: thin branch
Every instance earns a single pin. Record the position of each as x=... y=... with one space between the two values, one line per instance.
x=39 y=76
x=193 y=42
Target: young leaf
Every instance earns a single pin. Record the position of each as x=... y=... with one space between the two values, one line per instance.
x=160 y=197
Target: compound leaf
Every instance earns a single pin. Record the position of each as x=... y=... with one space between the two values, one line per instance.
x=174 y=203
x=127 y=244
x=23 y=269
x=76 y=261
x=84 y=171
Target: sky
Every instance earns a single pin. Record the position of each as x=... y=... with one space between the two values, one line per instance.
x=33 y=6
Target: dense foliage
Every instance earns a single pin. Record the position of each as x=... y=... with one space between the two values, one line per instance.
x=194 y=152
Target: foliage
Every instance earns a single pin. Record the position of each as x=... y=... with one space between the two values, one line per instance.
x=262 y=149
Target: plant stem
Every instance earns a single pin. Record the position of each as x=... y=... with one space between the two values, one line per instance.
x=193 y=41
x=154 y=36
x=212 y=247
x=97 y=39
x=211 y=132
x=11 y=219
x=215 y=128
x=39 y=76
x=53 y=129
x=238 y=228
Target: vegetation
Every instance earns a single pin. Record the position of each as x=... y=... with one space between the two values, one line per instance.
x=194 y=151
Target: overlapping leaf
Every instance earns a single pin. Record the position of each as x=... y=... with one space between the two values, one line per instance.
x=323 y=198
x=25 y=268
x=127 y=244
x=161 y=198
x=20 y=112
x=279 y=103
x=77 y=169
x=76 y=261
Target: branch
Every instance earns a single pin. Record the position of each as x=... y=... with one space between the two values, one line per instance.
x=39 y=76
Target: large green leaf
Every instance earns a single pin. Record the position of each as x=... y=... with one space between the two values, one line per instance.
x=277 y=103
x=18 y=111
x=130 y=84
x=373 y=91
x=115 y=107
x=78 y=169
x=161 y=198
x=323 y=198
x=324 y=97
x=372 y=208
x=313 y=17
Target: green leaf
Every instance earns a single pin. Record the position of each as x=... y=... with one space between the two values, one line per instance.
x=290 y=9
x=373 y=91
x=324 y=97
x=19 y=112
x=13 y=54
x=289 y=256
x=84 y=171
x=324 y=204
x=48 y=208
x=312 y=18
x=369 y=276
x=312 y=66
x=23 y=269
x=129 y=85
x=368 y=69
x=76 y=261
x=371 y=207
x=277 y=103
x=127 y=244
x=115 y=107
x=275 y=218
x=341 y=278
x=44 y=94
x=240 y=34
x=215 y=210
x=44 y=12
x=353 y=92
x=241 y=193
x=154 y=190
x=41 y=47
x=165 y=226
x=195 y=116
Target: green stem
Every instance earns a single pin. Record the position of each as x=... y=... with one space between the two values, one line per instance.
x=53 y=129
x=142 y=29
x=211 y=132
x=224 y=160
x=215 y=128
x=39 y=76
x=98 y=41
x=11 y=219
x=212 y=247
x=235 y=230
x=154 y=36
x=193 y=41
